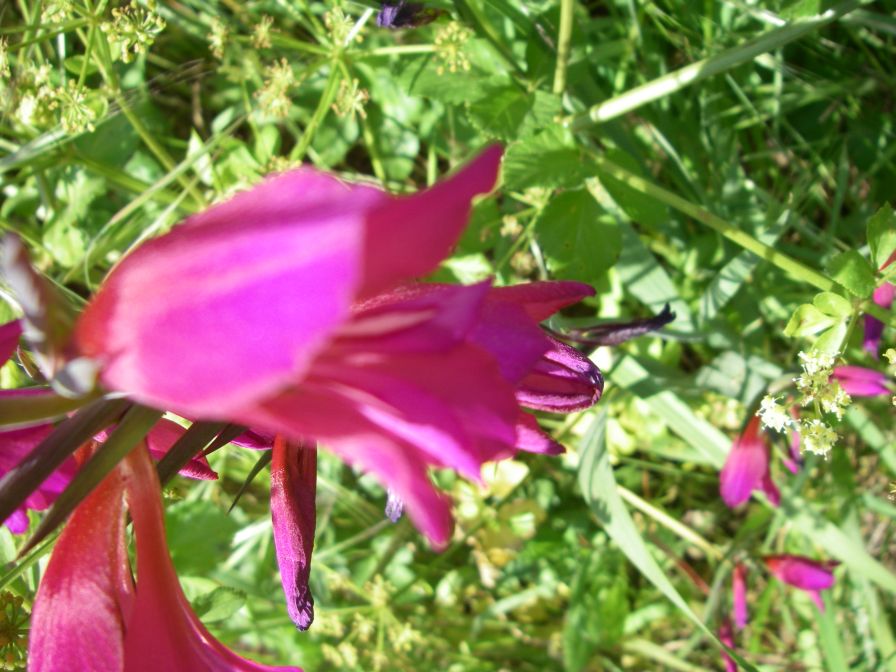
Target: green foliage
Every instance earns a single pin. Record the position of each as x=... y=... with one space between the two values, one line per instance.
x=677 y=164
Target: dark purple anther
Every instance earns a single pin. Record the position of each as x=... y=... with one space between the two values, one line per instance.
x=404 y=14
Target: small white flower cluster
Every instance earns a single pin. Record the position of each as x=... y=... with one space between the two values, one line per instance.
x=132 y=30
x=818 y=388
x=273 y=97
x=816 y=384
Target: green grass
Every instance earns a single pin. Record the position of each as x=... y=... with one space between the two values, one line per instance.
x=723 y=157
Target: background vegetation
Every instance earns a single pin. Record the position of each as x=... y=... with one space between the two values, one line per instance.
x=717 y=156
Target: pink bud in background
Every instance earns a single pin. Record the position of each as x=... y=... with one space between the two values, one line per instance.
x=857 y=381
x=739 y=595
x=747 y=468
x=811 y=576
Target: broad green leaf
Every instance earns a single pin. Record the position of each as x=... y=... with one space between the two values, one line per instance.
x=196 y=554
x=548 y=159
x=640 y=207
x=881 y=232
x=853 y=271
x=578 y=239
x=807 y=320
x=712 y=444
x=500 y=112
x=598 y=486
x=831 y=340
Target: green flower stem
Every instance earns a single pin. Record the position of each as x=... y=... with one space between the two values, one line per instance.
x=393 y=51
x=708 y=67
x=326 y=99
x=564 y=39
x=795 y=269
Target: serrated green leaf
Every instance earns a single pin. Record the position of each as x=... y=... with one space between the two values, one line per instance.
x=500 y=112
x=198 y=554
x=579 y=241
x=833 y=305
x=853 y=271
x=549 y=159
x=881 y=232
x=807 y=320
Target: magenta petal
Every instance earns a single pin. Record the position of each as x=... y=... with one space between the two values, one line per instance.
x=78 y=617
x=339 y=424
x=255 y=439
x=858 y=381
x=801 y=572
x=408 y=237
x=540 y=300
x=563 y=381
x=162 y=632
x=883 y=297
x=532 y=439
x=726 y=636
x=197 y=300
x=511 y=336
x=293 y=488
x=746 y=466
x=739 y=595
x=9 y=339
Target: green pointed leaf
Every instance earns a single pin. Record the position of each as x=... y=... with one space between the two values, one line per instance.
x=263 y=461
x=807 y=320
x=32 y=409
x=132 y=429
x=549 y=159
x=881 y=232
x=853 y=271
x=24 y=478
x=833 y=305
x=500 y=112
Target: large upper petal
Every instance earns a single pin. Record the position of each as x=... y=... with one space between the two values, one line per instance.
x=408 y=237
x=232 y=304
x=79 y=613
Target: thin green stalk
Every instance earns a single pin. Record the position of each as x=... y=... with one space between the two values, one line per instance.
x=782 y=261
x=564 y=39
x=326 y=99
x=708 y=67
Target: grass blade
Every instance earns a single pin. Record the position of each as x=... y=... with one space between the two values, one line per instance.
x=134 y=426
x=25 y=477
x=195 y=439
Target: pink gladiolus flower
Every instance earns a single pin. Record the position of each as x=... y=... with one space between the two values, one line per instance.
x=809 y=575
x=289 y=309
x=90 y=615
x=858 y=381
x=739 y=595
x=747 y=468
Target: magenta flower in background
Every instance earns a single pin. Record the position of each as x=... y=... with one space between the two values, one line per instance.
x=90 y=615
x=747 y=468
x=883 y=297
x=726 y=636
x=9 y=339
x=739 y=595
x=858 y=381
x=811 y=576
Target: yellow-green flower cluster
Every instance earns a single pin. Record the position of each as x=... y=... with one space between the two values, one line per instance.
x=132 y=30
x=449 y=43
